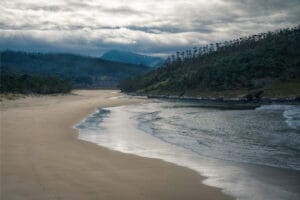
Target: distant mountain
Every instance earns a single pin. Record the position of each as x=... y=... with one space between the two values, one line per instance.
x=82 y=71
x=266 y=64
x=133 y=58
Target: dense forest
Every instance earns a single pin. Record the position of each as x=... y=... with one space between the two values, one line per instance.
x=27 y=84
x=81 y=71
x=264 y=62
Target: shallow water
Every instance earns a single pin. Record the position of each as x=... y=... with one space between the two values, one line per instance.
x=250 y=154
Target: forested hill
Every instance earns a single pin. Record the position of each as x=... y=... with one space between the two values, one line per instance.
x=28 y=84
x=80 y=70
x=267 y=62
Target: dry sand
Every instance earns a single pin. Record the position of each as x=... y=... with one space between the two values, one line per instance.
x=41 y=157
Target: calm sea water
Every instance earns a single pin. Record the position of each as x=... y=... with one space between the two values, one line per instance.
x=250 y=154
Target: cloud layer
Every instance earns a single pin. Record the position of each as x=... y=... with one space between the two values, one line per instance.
x=149 y=27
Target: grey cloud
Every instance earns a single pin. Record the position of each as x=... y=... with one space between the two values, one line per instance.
x=170 y=29
x=150 y=27
x=74 y=6
x=267 y=7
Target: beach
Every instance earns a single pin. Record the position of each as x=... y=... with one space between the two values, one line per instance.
x=42 y=157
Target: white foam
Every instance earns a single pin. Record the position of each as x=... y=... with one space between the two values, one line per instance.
x=290 y=112
x=292 y=117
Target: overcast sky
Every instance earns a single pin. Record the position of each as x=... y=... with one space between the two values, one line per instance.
x=143 y=26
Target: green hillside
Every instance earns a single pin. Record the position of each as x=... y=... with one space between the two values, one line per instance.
x=267 y=62
x=27 y=84
x=82 y=71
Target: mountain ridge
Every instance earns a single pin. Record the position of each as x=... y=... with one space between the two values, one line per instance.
x=132 y=58
x=82 y=71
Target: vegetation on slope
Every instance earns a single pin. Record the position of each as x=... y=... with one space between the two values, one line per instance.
x=80 y=70
x=27 y=84
x=266 y=61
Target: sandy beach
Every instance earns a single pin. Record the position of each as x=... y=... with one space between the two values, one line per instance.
x=41 y=157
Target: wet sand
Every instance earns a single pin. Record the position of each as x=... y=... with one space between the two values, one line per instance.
x=41 y=157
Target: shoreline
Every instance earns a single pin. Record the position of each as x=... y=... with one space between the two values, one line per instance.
x=234 y=102
x=42 y=157
x=231 y=177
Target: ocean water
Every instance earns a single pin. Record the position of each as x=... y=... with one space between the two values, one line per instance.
x=249 y=154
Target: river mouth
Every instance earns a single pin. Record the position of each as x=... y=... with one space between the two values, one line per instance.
x=244 y=152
